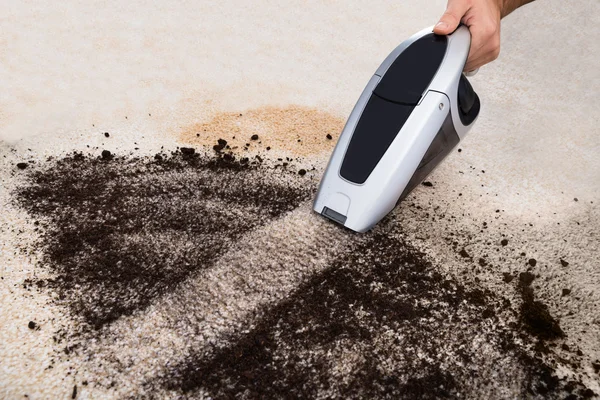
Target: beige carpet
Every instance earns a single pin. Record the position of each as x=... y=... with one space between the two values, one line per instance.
x=138 y=260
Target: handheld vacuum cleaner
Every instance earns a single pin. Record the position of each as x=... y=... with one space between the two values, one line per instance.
x=413 y=112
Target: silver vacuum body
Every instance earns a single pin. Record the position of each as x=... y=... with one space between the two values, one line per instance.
x=413 y=112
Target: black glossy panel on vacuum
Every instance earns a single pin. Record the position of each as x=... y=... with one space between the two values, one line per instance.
x=379 y=124
x=412 y=72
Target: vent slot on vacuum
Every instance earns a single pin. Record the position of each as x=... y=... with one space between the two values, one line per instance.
x=334 y=215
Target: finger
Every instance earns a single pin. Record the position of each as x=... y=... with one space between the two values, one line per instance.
x=485 y=57
x=472 y=72
x=476 y=55
x=485 y=45
x=451 y=18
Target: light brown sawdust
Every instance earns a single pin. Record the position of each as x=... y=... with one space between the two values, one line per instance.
x=295 y=129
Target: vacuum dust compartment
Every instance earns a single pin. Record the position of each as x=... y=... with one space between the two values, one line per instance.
x=417 y=106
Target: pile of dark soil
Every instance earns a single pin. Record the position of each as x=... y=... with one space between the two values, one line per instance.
x=379 y=322
x=118 y=232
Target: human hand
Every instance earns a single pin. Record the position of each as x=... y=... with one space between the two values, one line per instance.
x=482 y=17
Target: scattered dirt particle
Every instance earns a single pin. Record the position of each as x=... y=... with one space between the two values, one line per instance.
x=427 y=183
x=507 y=277
x=302 y=172
x=329 y=137
x=504 y=242
x=566 y=292
x=463 y=253
x=187 y=151
x=32 y=325
x=106 y=134
x=564 y=263
x=526 y=278
x=254 y=137
x=74 y=393
x=22 y=165
x=532 y=262
x=107 y=155
x=221 y=143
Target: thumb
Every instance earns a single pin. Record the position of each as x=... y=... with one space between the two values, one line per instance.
x=451 y=18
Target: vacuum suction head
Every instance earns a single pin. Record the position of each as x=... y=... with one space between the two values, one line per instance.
x=414 y=110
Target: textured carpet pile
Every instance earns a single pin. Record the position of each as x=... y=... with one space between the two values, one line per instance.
x=158 y=163
x=204 y=273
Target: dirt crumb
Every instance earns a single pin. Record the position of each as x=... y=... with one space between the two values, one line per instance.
x=532 y=262
x=507 y=277
x=107 y=155
x=463 y=253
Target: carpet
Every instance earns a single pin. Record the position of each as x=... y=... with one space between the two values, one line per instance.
x=157 y=238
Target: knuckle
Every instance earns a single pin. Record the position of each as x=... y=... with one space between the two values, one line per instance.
x=490 y=30
x=451 y=17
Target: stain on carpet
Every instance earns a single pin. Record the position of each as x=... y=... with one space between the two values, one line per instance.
x=297 y=130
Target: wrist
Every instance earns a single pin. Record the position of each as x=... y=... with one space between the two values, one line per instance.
x=508 y=6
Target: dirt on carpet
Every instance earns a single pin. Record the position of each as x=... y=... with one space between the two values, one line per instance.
x=118 y=233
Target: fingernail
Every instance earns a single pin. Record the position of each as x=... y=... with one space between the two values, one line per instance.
x=441 y=25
